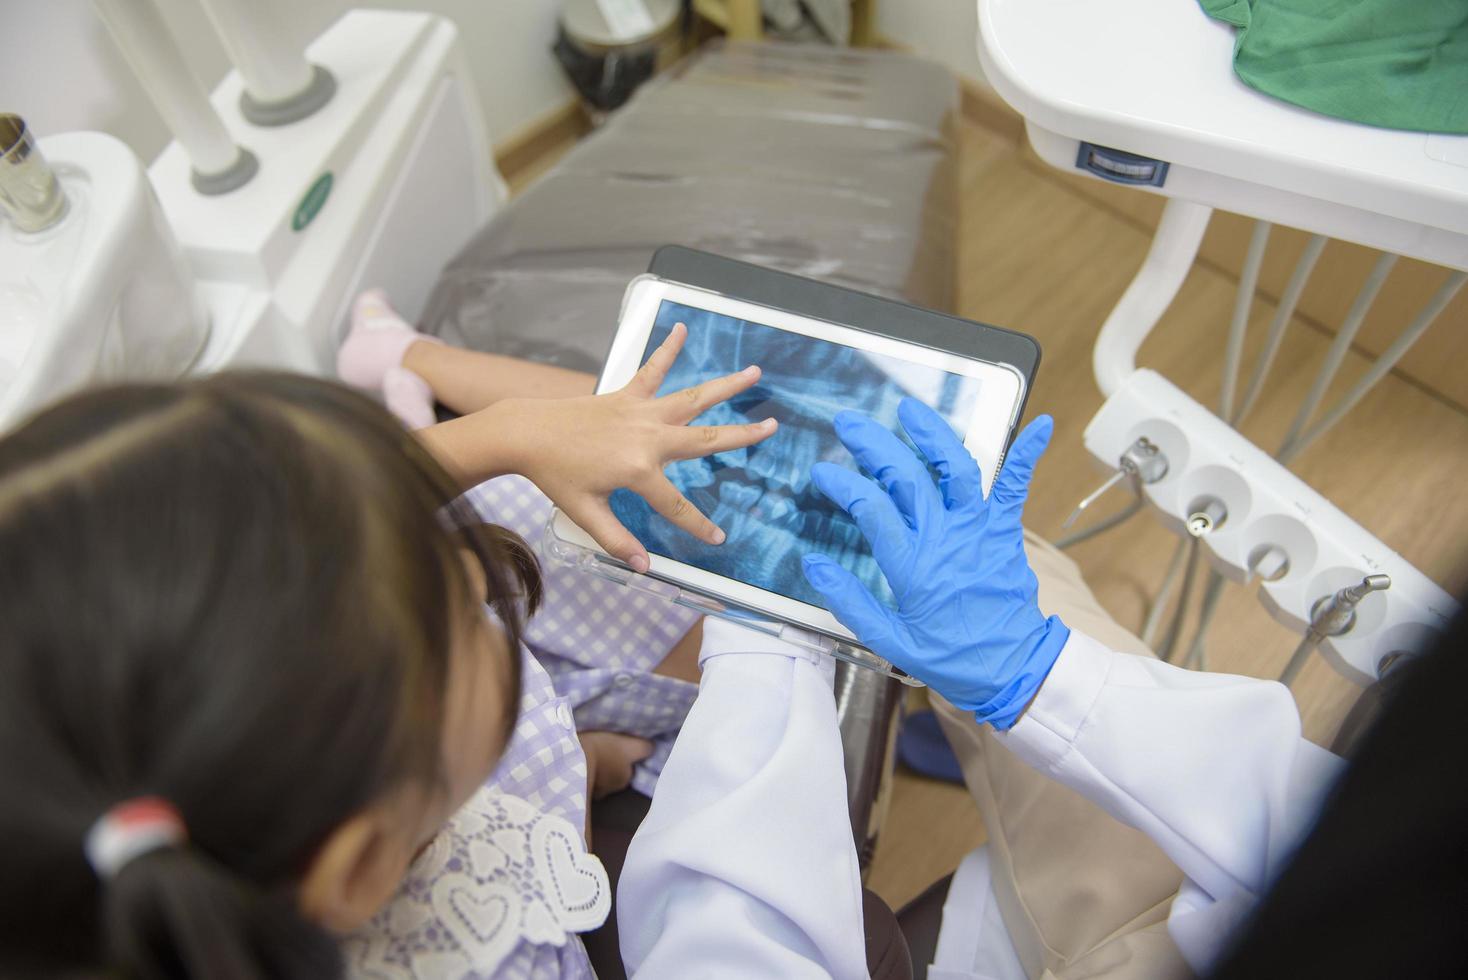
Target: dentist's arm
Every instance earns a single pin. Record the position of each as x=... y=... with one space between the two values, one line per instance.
x=745 y=865
x=1212 y=767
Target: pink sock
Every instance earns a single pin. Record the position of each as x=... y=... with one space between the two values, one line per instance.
x=376 y=342
x=408 y=397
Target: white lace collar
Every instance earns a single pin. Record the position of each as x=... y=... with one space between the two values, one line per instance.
x=501 y=873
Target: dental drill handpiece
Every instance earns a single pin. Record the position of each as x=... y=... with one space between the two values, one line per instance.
x=1333 y=615
x=1141 y=463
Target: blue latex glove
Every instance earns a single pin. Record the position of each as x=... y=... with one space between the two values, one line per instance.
x=967 y=623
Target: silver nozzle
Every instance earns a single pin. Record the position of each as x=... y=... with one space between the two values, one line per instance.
x=1206 y=515
x=1142 y=462
x=1336 y=613
x=29 y=190
x=1369 y=584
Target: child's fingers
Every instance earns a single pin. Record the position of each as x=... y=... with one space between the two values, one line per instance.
x=694 y=441
x=681 y=407
x=650 y=376
x=665 y=498
x=596 y=518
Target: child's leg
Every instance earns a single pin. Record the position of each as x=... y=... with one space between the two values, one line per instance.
x=383 y=352
x=371 y=358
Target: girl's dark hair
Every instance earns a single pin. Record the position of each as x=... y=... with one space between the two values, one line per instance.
x=238 y=594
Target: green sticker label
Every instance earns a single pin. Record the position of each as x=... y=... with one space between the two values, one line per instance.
x=312 y=202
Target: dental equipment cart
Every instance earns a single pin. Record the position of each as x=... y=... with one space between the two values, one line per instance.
x=1143 y=94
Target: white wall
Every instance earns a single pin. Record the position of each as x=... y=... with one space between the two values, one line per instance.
x=944 y=30
x=61 y=70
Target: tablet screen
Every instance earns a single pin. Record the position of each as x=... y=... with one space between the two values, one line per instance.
x=762 y=496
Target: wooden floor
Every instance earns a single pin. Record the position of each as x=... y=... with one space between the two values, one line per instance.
x=1038 y=255
x=1042 y=254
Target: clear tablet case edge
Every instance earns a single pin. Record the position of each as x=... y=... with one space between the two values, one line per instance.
x=572 y=555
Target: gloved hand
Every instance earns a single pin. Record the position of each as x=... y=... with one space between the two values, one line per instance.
x=967 y=623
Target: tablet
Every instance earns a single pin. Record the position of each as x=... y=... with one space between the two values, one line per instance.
x=762 y=496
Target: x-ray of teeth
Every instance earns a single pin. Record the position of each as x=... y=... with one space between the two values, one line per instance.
x=762 y=496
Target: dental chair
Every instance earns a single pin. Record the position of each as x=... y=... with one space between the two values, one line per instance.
x=835 y=164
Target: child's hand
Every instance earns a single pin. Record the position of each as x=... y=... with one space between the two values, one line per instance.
x=579 y=450
x=609 y=760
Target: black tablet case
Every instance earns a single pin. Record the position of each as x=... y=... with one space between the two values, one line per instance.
x=847 y=307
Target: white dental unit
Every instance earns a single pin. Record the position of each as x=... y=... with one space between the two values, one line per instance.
x=1142 y=94
x=304 y=177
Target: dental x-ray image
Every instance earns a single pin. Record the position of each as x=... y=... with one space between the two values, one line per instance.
x=763 y=496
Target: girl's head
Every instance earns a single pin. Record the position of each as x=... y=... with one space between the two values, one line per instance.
x=246 y=595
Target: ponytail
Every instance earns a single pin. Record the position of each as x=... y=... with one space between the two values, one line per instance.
x=237 y=593
x=174 y=913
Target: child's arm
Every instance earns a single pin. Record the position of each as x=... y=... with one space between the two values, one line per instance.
x=579 y=450
x=468 y=381
x=543 y=423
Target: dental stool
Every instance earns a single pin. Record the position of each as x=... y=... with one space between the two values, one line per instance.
x=832 y=163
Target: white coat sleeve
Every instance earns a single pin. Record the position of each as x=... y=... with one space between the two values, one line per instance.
x=745 y=865
x=1210 y=766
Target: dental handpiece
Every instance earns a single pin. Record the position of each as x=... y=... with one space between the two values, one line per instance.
x=1336 y=614
x=1142 y=462
x=1333 y=615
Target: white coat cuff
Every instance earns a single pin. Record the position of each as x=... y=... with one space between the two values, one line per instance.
x=722 y=636
x=1049 y=727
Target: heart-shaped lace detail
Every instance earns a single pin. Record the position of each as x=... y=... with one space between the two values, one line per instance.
x=485 y=858
x=484 y=917
x=512 y=842
x=501 y=874
x=578 y=882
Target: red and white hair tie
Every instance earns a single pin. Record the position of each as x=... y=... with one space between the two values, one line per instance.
x=131 y=829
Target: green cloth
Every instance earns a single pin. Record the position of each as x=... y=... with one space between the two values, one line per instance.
x=1402 y=64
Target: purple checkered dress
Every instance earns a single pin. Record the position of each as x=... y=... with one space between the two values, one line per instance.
x=599 y=641
x=442 y=924
x=592 y=647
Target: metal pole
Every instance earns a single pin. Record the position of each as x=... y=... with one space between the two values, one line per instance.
x=1337 y=352
x=1381 y=365
x=1300 y=658
x=1239 y=325
x=1164 y=592
x=1197 y=655
x=1286 y=309
x=1185 y=595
